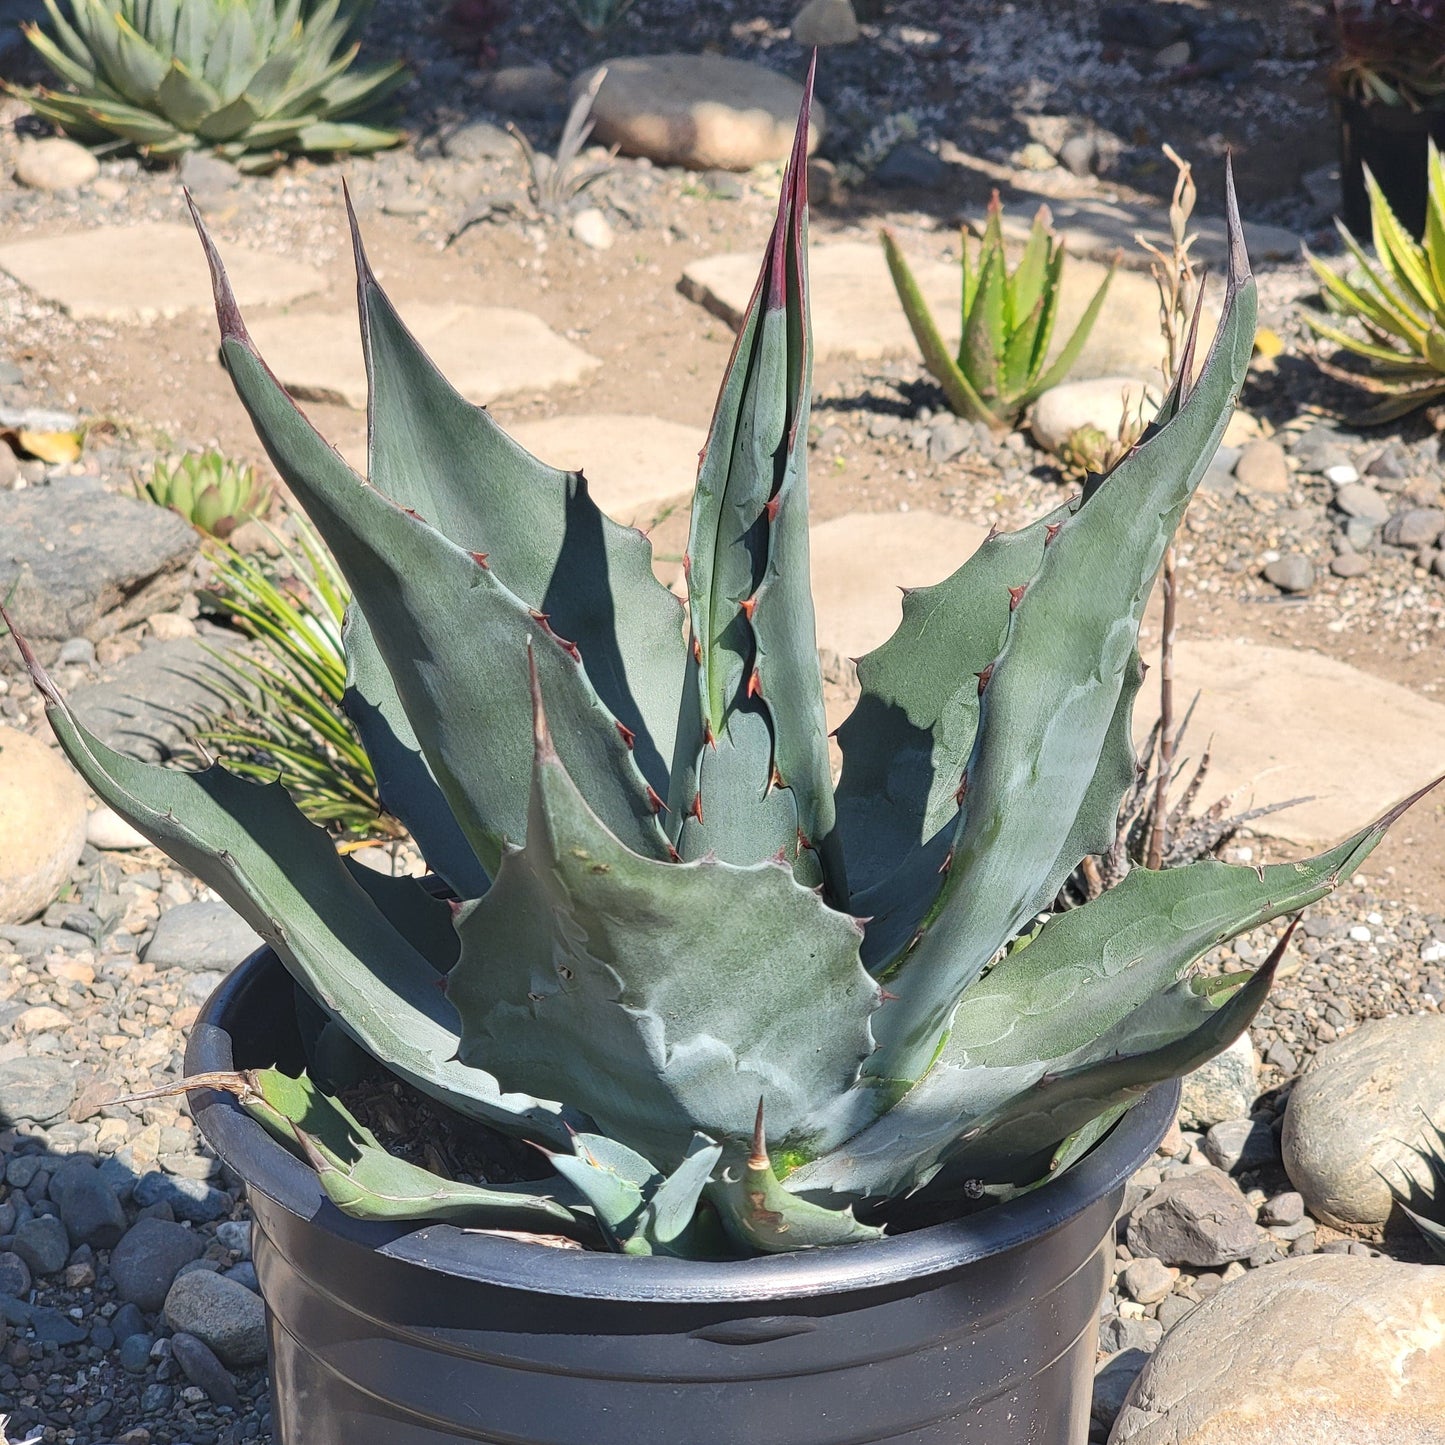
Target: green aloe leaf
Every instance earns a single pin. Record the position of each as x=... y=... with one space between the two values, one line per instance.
x=1027 y=284
x=663 y=999
x=1064 y=361
x=941 y=364
x=750 y=778
x=981 y=351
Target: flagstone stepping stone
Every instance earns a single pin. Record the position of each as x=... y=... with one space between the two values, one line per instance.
x=84 y=562
x=484 y=351
x=148 y=272
x=1331 y=1349
x=860 y=561
x=1097 y=228
x=856 y=311
x=634 y=465
x=1288 y=723
x=706 y=112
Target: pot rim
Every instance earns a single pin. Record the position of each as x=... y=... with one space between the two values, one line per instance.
x=265 y=1165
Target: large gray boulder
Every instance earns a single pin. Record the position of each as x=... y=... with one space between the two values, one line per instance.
x=1331 y=1349
x=84 y=562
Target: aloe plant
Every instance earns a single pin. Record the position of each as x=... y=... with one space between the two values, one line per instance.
x=1425 y=1207
x=286 y=718
x=741 y=1009
x=212 y=492
x=1398 y=297
x=250 y=79
x=1008 y=321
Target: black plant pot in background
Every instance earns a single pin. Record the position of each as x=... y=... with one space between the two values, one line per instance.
x=979 y=1332
x=1392 y=141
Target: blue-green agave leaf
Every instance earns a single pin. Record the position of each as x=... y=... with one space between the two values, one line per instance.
x=750 y=779
x=435 y=609
x=544 y=538
x=1050 y=701
x=1095 y=981
x=662 y=999
x=282 y=874
x=363 y=1180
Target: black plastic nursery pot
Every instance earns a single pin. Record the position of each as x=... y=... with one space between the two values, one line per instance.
x=977 y=1332
x=1393 y=141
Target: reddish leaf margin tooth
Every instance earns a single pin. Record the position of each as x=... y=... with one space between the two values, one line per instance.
x=961 y=792
x=708 y=736
x=628 y=736
x=1016 y=595
x=696 y=649
x=696 y=810
x=749 y=605
x=480 y=558
x=1051 y=531
x=654 y=800
x=773 y=507
x=673 y=855
x=947 y=862
x=775 y=779
x=983 y=678
x=755 y=686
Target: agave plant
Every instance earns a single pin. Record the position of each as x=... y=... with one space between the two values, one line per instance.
x=554 y=183
x=597 y=17
x=251 y=79
x=212 y=492
x=1390 y=52
x=741 y=1009
x=1008 y=321
x=1425 y=1207
x=1398 y=297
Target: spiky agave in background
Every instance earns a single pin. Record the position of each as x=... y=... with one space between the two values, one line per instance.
x=668 y=912
x=250 y=79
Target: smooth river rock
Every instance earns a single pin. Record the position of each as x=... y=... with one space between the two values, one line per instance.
x=1352 y=1120
x=42 y=824
x=706 y=112
x=1331 y=1349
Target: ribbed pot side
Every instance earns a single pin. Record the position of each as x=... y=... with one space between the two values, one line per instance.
x=980 y=1332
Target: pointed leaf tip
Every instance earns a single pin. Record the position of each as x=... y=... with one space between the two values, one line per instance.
x=38 y=675
x=1238 y=255
x=1393 y=815
x=228 y=314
